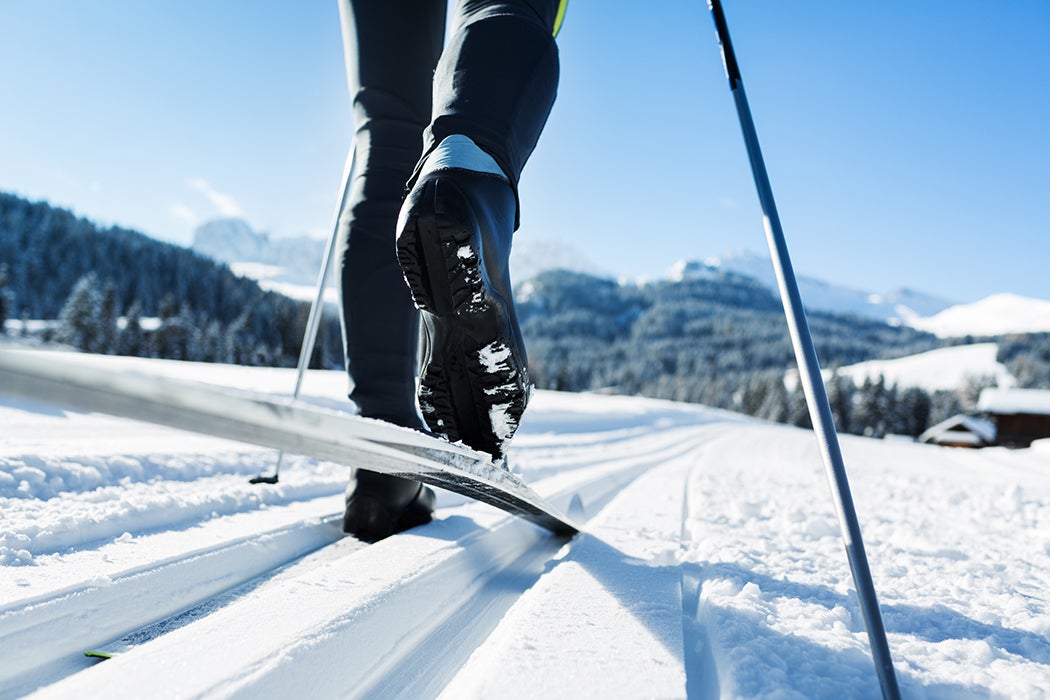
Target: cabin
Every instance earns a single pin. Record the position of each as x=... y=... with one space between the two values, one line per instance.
x=1020 y=415
x=961 y=431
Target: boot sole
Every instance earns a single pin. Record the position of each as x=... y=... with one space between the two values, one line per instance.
x=473 y=387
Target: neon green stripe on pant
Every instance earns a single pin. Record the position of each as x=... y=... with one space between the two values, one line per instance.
x=560 y=17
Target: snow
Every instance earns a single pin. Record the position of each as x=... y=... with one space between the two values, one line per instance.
x=1013 y=401
x=995 y=315
x=710 y=564
x=493 y=357
x=945 y=368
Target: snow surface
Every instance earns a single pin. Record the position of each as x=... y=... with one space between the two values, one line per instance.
x=944 y=368
x=710 y=565
x=1013 y=401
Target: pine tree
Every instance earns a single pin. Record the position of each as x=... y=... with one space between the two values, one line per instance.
x=869 y=407
x=79 y=320
x=107 y=327
x=5 y=296
x=914 y=408
x=944 y=405
x=971 y=392
x=132 y=339
x=775 y=406
x=797 y=409
x=841 y=391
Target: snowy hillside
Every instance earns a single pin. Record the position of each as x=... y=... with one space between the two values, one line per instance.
x=946 y=368
x=994 y=315
x=710 y=565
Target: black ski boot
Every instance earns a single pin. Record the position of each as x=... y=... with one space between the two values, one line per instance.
x=454 y=239
x=380 y=505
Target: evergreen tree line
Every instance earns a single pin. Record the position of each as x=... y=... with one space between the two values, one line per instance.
x=5 y=296
x=61 y=266
x=722 y=341
x=874 y=408
x=1027 y=357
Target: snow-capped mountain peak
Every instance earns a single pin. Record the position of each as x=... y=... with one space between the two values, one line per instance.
x=897 y=307
x=230 y=241
x=285 y=265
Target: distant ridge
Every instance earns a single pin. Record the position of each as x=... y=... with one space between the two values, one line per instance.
x=290 y=266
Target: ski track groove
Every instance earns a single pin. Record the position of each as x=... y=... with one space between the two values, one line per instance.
x=485 y=571
x=44 y=636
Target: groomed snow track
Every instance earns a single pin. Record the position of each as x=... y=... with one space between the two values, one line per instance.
x=297 y=611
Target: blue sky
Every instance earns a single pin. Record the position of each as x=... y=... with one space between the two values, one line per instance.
x=907 y=142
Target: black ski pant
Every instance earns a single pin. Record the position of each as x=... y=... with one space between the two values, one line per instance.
x=495 y=82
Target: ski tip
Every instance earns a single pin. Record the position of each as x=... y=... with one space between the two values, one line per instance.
x=91 y=654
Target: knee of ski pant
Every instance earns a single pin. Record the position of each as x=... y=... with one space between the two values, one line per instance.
x=388 y=132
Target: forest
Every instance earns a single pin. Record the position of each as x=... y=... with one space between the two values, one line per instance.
x=101 y=282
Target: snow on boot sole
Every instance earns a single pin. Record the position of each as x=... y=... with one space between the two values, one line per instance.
x=474 y=387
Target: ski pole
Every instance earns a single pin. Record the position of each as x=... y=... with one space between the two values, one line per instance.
x=809 y=372
x=317 y=306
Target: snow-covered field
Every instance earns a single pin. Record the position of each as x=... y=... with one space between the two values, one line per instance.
x=710 y=565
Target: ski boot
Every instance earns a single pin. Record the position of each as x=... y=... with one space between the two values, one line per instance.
x=380 y=505
x=453 y=244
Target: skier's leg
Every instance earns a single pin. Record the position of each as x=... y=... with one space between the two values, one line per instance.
x=391 y=49
x=493 y=90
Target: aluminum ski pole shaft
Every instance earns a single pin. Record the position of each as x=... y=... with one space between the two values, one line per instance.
x=317 y=306
x=809 y=372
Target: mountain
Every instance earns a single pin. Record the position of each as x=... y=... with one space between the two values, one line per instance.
x=278 y=264
x=902 y=306
x=700 y=338
x=290 y=266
